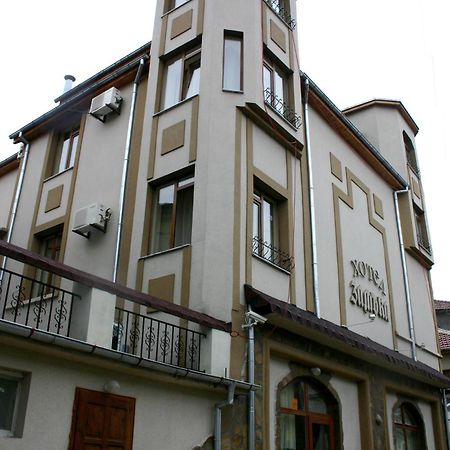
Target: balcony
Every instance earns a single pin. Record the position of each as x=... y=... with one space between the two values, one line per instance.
x=277 y=7
x=272 y=254
x=281 y=108
x=80 y=309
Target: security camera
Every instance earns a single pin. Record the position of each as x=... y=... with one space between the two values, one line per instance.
x=255 y=317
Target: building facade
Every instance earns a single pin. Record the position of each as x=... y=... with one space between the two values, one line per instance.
x=203 y=250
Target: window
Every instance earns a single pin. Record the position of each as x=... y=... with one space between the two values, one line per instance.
x=50 y=247
x=410 y=153
x=281 y=9
x=65 y=151
x=408 y=428
x=13 y=393
x=182 y=78
x=232 y=62
x=266 y=231
x=172 y=4
x=307 y=417
x=276 y=84
x=172 y=215
x=421 y=229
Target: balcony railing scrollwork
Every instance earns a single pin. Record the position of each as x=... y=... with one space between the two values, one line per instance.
x=34 y=304
x=156 y=340
x=277 y=7
x=272 y=254
x=281 y=108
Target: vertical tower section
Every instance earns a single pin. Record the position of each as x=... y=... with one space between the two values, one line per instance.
x=211 y=62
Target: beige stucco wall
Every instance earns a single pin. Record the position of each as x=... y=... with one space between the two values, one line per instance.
x=7 y=186
x=160 y=407
x=269 y=279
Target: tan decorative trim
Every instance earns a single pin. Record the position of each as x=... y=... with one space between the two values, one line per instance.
x=291 y=224
x=347 y=198
x=161 y=287
x=186 y=276
x=163 y=36
x=416 y=189
x=311 y=360
x=152 y=156
x=264 y=22
x=336 y=167
x=181 y=24
x=292 y=48
x=378 y=206
x=278 y=36
x=266 y=179
x=194 y=129
x=54 y=197
x=173 y=137
x=59 y=221
x=200 y=16
x=250 y=169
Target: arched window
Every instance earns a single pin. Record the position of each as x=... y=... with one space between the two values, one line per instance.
x=408 y=428
x=307 y=417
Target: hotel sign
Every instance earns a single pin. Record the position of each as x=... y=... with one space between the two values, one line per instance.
x=371 y=299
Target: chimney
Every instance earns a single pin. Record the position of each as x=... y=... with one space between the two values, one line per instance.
x=69 y=80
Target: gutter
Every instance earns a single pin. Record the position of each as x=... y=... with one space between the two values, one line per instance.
x=218 y=416
x=373 y=150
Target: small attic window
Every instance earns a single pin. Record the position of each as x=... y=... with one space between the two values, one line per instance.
x=410 y=153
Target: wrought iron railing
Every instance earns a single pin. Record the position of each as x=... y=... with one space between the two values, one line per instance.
x=281 y=108
x=35 y=304
x=156 y=340
x=272 y=254
x=282 y=12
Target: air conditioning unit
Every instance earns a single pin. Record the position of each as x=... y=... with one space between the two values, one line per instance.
x=91 y=217
x=106 y=103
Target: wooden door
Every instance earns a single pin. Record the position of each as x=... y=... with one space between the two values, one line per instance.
x=101 y=421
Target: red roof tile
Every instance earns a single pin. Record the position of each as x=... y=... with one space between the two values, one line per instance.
x=441 y=305
x=444 y=339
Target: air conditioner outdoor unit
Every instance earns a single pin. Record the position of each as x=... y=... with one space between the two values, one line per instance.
x=106 y=103
x=91 y=217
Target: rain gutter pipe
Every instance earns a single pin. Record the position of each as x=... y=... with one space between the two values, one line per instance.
x=412 y=332
x=218 y=416
x=17 y=194
x=312 y=207
x=126 y=160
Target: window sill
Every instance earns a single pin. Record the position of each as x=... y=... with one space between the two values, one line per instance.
x=231 y=91
x=271 y=264
x=163 y=252
x=186 y=100
x=175 y=9
x=58 y=174
x=281 y=116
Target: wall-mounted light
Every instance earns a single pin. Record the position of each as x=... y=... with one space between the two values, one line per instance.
x=111 y=386
x=316 y=371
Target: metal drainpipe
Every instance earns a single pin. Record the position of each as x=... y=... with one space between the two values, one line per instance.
x=218 y=416
x=18 y=192
x=251 y=380
x=412 y=332
x=312 y=215
x=126 y=159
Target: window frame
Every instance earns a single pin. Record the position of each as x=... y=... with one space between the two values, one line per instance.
x=154 y=248
x=239 y=37
x=417 y=428
x=61 y=160
x=331 y=418
x=172 y=4
x=19 y=403
x=189 y=58
x=423 y=238
x=411 y=156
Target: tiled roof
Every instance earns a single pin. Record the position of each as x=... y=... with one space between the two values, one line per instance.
x=444 y=339
x=441 y=305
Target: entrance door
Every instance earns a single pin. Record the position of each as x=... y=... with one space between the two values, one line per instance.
x=101 y=421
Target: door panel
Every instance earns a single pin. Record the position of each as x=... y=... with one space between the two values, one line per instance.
x=102 y=421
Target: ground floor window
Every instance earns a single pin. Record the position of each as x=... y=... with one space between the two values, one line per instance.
x=307 y=416
x=408 y=428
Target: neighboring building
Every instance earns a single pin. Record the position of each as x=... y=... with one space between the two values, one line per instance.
x=442 y=309
x=201 y=232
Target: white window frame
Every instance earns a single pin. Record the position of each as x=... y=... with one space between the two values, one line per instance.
x=16 y=376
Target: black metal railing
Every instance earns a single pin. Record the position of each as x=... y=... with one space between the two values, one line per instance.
x=272 y=254
x=156 y=340
x=282 y=12
x=281 y=108
x=35 y=304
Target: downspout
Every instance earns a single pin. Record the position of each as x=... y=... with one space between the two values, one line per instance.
x=218 y=416
x=445 y=415
x=126 y=160
x=18 y=192
x=251 y=394
x=412 y=332
x=312 y=207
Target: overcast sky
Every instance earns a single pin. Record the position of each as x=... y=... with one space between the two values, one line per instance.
x=355 y=50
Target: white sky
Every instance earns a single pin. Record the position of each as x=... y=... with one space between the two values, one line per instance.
x=354 y=50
